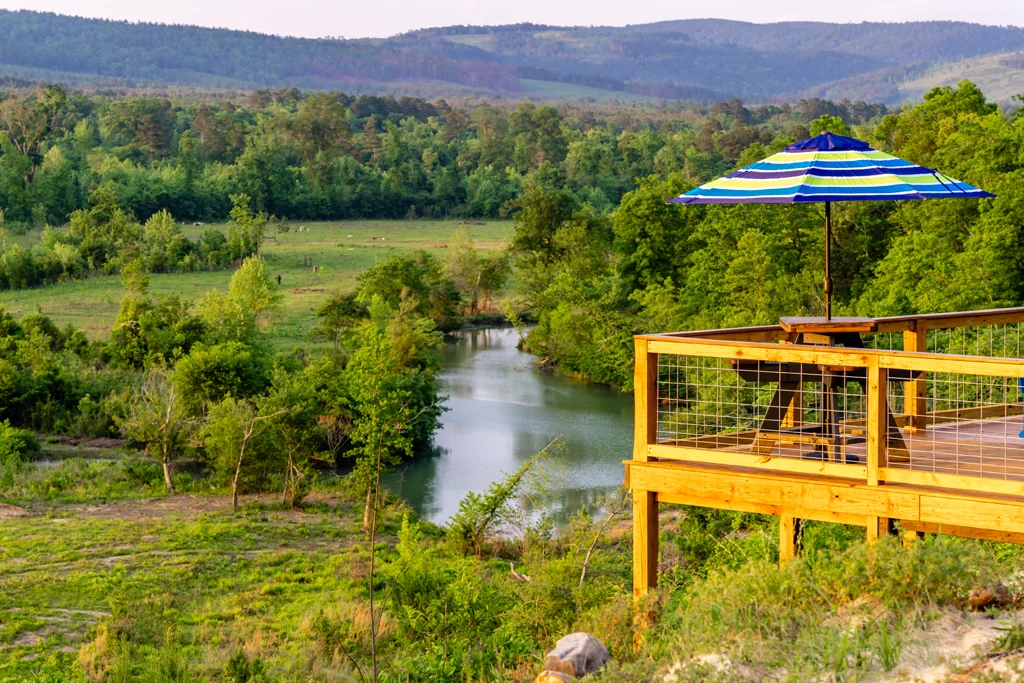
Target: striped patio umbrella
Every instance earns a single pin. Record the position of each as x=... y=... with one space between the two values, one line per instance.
x=829 y=168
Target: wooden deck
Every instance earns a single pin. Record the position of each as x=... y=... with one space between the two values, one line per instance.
x=957 y=471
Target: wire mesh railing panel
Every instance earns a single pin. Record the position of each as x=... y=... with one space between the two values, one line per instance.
x=992 y=341
x=883 y=341
x=787 y=409
x=962 y=424
x=1001 y=340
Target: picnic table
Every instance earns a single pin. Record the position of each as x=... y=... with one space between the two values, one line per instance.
x=782 y=423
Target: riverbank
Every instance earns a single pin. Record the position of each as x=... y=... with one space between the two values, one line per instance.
x=126 y=584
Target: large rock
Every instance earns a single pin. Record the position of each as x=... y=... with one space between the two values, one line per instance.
x=989 y=595
x=577 y=654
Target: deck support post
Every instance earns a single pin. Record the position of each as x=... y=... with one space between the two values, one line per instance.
x=910 y=537
x=915 y=391
x=790 y=528
x=794 y=409
x=645 y=503
x=877 y=527
x=645 y=542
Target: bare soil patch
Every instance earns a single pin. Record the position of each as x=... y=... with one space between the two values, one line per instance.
x=188 y=506
x=10 y=511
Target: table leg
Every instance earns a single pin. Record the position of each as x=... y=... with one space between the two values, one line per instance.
x=777 y=412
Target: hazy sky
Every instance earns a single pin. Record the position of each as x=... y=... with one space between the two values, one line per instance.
x=359 y=18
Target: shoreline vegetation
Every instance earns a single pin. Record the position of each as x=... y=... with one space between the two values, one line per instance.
x=234 y=551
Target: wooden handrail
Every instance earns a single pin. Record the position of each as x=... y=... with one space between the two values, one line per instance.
x=954 y=320
x=898 y=323
x=836 y=356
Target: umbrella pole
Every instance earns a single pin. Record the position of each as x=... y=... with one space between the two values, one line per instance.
x=828 y=261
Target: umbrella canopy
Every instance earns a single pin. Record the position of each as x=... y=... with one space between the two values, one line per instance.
x=829 y=168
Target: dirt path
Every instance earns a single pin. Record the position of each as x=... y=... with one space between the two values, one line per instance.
x=186 y=505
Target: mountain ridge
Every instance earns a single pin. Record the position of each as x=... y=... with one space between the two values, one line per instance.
x=686 y=59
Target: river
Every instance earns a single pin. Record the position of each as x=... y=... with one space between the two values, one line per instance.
x=502 y=410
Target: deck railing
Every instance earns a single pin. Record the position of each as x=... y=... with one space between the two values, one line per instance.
x=932 y=400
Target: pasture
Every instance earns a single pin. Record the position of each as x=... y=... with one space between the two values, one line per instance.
x=340 y=250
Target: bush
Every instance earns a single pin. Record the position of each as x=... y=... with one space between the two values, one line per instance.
x=15 y=443
x=16 y=447
x=210 y=374
x=841 y=613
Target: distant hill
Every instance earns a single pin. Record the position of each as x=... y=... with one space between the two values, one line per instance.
x=699 y=59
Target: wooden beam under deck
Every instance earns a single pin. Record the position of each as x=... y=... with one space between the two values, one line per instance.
x=960 y=513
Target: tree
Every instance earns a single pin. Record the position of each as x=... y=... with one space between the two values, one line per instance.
x=164 y=243
x=157 y=419
x=293 y=401
x=494 y=273
x=232 y=437
x=246 y=228
x=210 y=373
x=126 y=336
x=338 y=315
x=390 y=388
x=236 y=315
x=831 y=124
x=30 y=122
x=321 y=132
x=653 y=238
x=463 y=266
x=415 y=279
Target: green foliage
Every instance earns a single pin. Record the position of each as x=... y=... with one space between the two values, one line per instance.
x=157 y=421
x=238 y=448
x=235 y=316
x=245 y=229
x=389 y=385
x=417 y=283
x=240 y=669
x=79 y=481
x=209 y=374
x=16 y=447
x=481 y=515
x=831 y=124
x=842 y=614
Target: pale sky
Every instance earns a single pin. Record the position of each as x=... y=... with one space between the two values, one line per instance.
x=361 y=18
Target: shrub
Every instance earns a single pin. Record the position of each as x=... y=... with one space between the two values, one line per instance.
x=840 y=614
x=16 y=443
x=16 y=446
x=210 y=374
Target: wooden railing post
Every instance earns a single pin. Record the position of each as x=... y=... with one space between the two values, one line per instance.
x=645 y=503
x=914 y=392
x=877 y=438
x=877 y=422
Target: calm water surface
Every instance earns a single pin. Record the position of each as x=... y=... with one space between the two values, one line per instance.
x=503 y=410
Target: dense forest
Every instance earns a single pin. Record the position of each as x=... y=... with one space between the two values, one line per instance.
x=700 y=60
x=71 y=158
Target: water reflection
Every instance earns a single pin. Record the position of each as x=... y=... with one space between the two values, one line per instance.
x=502 y=410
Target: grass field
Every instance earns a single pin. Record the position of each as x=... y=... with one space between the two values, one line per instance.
x=105 y=556
x=340 y=250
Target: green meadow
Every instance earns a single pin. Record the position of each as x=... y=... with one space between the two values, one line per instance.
x=339 y=250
